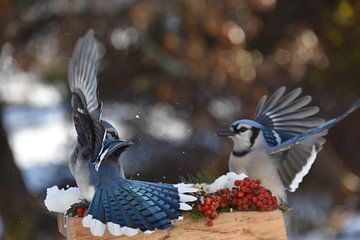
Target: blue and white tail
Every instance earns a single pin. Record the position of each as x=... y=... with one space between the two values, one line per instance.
x=128 y=206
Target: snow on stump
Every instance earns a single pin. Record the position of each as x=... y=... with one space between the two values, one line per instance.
x=230 y=225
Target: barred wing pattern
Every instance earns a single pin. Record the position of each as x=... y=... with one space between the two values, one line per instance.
x=82 y=79
x=285 y=116
x=127 y=206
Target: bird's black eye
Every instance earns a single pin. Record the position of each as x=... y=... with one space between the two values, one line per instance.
x=243 y=129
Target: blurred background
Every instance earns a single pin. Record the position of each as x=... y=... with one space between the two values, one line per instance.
x=172 y=73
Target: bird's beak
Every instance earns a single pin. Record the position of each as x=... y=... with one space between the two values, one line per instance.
x=227 y=132
x=127 y=144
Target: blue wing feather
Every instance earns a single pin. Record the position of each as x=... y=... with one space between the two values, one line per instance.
x=287 y=113
x=315 y=132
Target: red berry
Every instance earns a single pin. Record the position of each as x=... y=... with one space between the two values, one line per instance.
x=240 y=194
x=207 y=201
x=213 y=215
x=210 y=223
x=237 y=182
x=205 y=208
x=79 y=211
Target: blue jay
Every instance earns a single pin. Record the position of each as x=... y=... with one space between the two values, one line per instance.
x=123 y=205
x=280 y=145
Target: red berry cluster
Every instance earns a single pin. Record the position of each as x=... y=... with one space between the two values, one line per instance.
x=250 y=195
x=247 y=194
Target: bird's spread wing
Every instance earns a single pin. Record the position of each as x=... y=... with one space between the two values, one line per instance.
x=300 y=151
x=82 y=72
x=82 y=77
x=285 y=116
x=297 y=161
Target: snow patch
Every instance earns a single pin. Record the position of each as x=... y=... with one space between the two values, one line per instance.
x=226 y=181
x=60 y=200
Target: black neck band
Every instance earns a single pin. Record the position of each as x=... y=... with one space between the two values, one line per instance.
x=240 y=154
x=255 y=133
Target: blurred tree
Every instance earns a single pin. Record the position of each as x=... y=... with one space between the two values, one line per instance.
x=22 y=214
x=15 y=197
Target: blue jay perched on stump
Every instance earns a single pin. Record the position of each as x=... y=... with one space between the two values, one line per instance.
x=123 y=205
x=280 y=145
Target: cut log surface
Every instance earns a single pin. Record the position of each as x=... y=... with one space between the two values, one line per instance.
x=235 y=225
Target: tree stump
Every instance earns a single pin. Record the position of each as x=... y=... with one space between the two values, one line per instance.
x=235 y=225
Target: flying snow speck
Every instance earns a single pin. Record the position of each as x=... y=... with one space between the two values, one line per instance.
x=137 y=116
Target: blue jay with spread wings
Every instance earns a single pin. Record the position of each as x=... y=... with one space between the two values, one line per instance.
x=280 y=145
x=123 y=206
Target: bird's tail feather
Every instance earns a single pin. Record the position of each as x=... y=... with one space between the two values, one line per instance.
x=130 y=205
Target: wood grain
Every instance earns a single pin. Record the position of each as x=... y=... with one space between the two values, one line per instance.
x=235 y=225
